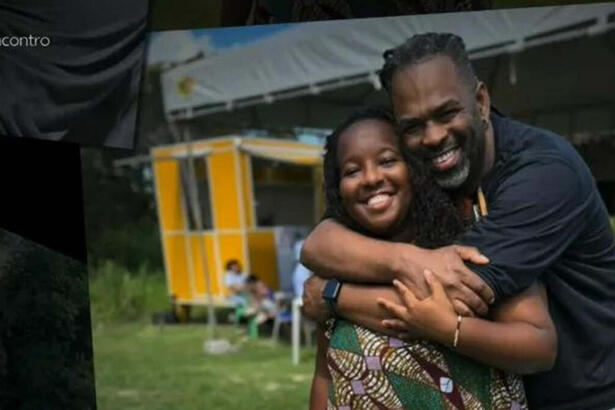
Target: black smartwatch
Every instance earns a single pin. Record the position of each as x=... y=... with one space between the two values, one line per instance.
x=330 y=294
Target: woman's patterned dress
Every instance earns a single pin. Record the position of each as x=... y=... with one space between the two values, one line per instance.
x=373 y=371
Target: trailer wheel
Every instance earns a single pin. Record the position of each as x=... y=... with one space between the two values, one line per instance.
x=182 y=312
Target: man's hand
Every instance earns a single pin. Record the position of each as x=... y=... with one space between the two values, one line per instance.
x=314 y=307
x=469 y=293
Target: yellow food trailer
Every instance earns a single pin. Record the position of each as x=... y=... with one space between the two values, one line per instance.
x=246 y=188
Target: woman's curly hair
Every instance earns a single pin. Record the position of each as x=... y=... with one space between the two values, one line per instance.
x=434 y=219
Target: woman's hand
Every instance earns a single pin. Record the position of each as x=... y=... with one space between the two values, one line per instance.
x=433 y=318
x=469 y=293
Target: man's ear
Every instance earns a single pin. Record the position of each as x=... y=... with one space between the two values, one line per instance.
x=483 y=100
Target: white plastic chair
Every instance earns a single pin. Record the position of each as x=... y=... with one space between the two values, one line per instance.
x=282 y=315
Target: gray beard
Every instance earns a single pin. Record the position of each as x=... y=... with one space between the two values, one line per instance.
x=456 y=176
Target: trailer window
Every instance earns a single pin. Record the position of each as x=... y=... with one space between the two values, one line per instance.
x=283 y=193
x=201 y=185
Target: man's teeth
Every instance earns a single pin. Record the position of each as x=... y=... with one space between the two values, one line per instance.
x=441 y=158
x=376 y=199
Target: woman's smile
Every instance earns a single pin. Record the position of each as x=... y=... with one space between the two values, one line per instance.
x=375 y=183
x=379 y=202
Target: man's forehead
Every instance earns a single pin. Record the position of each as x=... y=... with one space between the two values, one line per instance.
x=427 y=84
x=437 y=71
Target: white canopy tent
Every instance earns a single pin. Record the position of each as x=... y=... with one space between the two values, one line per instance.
x=309 y=59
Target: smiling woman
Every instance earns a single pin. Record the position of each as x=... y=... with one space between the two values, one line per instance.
x=440 y=222
x=374 y=177
x=374 y=186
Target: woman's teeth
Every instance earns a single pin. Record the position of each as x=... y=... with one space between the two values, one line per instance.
x=377 y=199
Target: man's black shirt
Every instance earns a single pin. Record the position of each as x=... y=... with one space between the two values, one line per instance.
x=547 y=221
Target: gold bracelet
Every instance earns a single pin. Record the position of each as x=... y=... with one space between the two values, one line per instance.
x=457 y=330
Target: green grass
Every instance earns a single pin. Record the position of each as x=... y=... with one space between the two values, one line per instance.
x=139 y=365
x=142 y=366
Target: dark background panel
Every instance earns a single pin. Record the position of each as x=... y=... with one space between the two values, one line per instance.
x=71 y=70
x=41 y=193
x=193 y=14
x=45 y=332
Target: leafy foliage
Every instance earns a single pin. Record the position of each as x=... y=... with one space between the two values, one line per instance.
x=120 y=213
x=119 y=295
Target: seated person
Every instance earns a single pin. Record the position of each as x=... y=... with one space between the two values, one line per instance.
x=262 y=301
x=235 y=282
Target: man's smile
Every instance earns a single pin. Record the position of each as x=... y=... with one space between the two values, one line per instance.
x=446 y=160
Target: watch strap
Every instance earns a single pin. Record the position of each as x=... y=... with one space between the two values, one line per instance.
x=330 y=294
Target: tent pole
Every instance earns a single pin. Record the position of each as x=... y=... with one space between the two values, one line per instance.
x=173 y=129
x=196 y=213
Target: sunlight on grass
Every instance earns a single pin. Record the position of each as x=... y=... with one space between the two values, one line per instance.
x=142 y=366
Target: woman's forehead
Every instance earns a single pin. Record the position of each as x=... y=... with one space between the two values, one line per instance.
x=366 y=134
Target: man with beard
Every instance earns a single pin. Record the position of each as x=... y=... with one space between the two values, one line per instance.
x=537 y=216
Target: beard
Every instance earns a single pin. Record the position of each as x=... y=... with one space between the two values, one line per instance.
x=454 y=178
x=469 y=168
